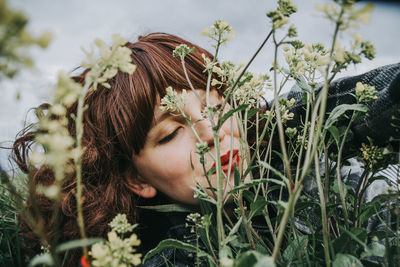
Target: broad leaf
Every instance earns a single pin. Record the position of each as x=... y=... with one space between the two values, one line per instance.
x=302 y=83
x=169 y=243
x=254 y=183
x=78 y=243
x=230 y=113
x=375 y=249
x=346 y=260
x=296 y=248
x=338 y=111
x=283 y=177
x=254 y=259
x=257 y=207
x=167 y=208
x=42 y=259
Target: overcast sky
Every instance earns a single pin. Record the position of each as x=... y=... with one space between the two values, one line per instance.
x=76 y=23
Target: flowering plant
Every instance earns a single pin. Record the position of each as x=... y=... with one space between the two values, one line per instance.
x=291 y=177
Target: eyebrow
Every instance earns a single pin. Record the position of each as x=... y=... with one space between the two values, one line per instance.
x=163 y=117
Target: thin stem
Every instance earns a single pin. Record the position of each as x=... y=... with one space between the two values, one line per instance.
x=220 y=226
x=78 y=160
x=246 y=222
x=357 y=192
x=190 y=83
x=325 y=231
x=281 y=134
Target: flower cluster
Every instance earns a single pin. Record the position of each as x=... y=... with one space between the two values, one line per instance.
x=303 y=59
x=195 y=220
x=291 y=132
x=173 y=101
x=54 y=137
x=280 y=16
x=112 y=59
x=202 y=149
x=182 y=51
x=117 y=251
x=249 y=88
x=121 y=225
x=368 y=50
x=349 y=19
x=371 y=155
x=365 y=93
x=284 y=107
x=227 y=73
x=209 y=65
x=220 y=31
x=305 y=130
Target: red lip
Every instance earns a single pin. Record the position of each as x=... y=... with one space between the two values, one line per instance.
x=225 y=161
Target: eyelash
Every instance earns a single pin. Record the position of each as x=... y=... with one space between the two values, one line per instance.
x=169 y=137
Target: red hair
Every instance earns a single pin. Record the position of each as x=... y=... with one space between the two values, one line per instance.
x=115 y=127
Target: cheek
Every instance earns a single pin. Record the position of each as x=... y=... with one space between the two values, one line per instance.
x=230 y=126
x=165 y=165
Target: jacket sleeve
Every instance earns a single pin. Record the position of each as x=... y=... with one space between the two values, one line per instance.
x=383 y=119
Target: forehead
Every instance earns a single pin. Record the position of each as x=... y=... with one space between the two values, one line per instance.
x=191 y=103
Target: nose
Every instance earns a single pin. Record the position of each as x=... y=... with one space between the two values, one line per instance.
x=206 y=134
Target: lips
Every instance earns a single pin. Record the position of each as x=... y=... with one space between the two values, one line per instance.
x=225 y=161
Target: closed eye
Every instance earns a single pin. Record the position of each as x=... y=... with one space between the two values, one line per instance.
x=169 y=137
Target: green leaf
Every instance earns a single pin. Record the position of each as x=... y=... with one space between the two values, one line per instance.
x=257 y=207
x=367 y=210
x=230 y=113
x=169 y=243
x=334 y=131
x=302 y=83
x=338 y=111
x=335 y=188
x=283 y=177
x=295 y=249
x=43 y=259
x=375 y=249
x=252 y=112
x=378 y=178
x=346 y=260
x=78 y=243
x=236 y=175
x=357 y=234
x=167 y=208
x=254 y=259
x=254 y=183
x=233 y=231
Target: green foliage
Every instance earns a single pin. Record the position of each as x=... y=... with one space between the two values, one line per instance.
x=15 y=41
x=324 y=226
x=11 y=243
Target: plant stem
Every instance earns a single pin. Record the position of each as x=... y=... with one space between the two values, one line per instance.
x=220 y=225
x=245 y=221
x=357 y=192
x=78 y=160
x=190 y=83
x=285 y=217
x=325 y=232
x=282 y=141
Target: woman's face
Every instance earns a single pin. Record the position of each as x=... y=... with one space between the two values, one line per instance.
x=168 y=161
